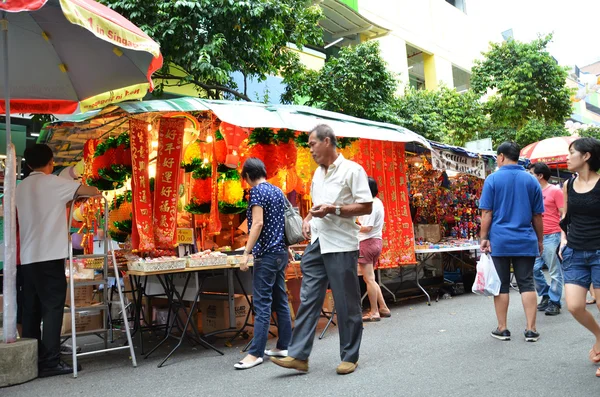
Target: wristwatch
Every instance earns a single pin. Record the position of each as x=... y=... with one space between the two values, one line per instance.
x=338 y=210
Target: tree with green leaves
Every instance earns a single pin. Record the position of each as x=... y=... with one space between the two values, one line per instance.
x=443 y=115
x=356 y=82
x=590 y=132
x=204 y=42
x=524 y=83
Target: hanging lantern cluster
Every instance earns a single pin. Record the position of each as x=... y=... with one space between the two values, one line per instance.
x=305 y=165
x=231 y=193
x=261 y=145
x=120 y=217
x=234 y=137
x=201 y=193
x=348 y=147
x=111 y=163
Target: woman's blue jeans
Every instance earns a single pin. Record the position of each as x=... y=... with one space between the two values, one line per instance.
x=270 y=294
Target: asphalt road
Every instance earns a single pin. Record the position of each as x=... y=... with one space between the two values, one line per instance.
x=442 y=350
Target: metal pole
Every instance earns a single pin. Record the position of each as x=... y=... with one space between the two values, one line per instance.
x=10 y=180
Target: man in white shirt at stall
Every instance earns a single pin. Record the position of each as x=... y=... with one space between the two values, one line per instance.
x=44 y=236
x=340 y=192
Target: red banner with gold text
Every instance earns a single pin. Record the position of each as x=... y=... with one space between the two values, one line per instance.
x=166 y=190
x=386 y=162
x=142 y=236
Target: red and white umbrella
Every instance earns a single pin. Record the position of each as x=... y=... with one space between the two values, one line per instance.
x=552 y=151
x=58 y=55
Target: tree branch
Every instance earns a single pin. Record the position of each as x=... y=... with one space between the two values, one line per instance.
x=207 y=87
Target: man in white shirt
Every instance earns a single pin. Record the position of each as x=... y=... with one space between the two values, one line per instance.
x=44 y=236
x=340 y=192
x=371 y=244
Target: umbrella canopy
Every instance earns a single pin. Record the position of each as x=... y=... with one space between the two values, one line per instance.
x=63 y=52
x=551 y=151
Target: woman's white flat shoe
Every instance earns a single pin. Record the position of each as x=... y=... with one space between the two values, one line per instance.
x=242 y=365
x=276 y=353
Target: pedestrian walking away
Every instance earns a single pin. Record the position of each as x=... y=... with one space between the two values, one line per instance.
x=580 y=245
x=512 y=232
x=340 y=192
x=553 y=210
x=371 y=243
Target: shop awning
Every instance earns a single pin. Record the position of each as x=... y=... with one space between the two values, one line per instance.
x=342 y=21
x=253 y=115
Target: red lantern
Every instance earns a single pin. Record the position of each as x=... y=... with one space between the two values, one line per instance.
x=234 y=136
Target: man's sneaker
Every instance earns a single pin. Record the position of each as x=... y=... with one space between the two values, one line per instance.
x=553 y=309
x=531 y=336
x=544 y=303
x=501 y=335
x=68 y=349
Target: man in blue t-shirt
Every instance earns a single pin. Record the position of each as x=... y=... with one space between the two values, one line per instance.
x=512 y=232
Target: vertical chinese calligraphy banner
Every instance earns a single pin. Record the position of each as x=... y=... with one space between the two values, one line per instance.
x=142 y=233
x=166 y=190
x=385 y=161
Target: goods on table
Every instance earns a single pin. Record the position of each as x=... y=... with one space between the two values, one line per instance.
x=157 y=264
x=206 y=258
x=448 y=243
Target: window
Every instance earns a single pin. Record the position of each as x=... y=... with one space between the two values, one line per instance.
x=460 y=4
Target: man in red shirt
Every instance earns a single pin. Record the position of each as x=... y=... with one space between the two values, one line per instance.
x=553 y=209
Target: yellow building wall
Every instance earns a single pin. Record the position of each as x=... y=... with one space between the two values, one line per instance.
x=432 y=26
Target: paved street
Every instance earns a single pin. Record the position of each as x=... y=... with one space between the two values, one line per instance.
x=443 y=350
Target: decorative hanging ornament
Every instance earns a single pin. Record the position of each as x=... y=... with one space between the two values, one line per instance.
x=234 y=136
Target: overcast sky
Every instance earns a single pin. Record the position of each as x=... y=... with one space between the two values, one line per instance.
x=575 y=24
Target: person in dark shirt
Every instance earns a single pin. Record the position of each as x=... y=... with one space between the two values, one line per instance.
x=580 y=243
x=266 y=223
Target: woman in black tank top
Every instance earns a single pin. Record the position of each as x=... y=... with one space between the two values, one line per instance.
x=580 y=246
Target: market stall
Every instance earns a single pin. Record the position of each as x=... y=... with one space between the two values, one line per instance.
x=171 y=169
x=445 y=185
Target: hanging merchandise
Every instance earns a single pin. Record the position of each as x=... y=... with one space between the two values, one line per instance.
x=348 y=147
x=385 y=161
x=114 y=158
x=305 y=165
x=220 y=148
x=93 y=165
x=166 y=193
x=231 y=193
x=142 y=234
x=120 y=217
x=196 y=155
x=201 y=194
x=234 y=136
x=261 y=146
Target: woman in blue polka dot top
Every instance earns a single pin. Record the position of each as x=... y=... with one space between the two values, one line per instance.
x=266 y=222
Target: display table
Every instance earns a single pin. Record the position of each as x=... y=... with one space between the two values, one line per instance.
x=177 y=304
x=423 y=255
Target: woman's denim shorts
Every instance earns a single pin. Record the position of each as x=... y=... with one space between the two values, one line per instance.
x=581 y=267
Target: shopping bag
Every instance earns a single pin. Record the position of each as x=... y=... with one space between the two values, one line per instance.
x=487 y=282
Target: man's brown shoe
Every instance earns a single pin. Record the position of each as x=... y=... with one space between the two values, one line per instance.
x=346 y=368
x=291 y=363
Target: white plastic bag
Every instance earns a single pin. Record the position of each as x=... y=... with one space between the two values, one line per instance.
x=487 y=282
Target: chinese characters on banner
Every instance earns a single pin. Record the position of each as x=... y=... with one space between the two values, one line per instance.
x=445 y=160
x=166 y=190
x=142 y=237
x=385 y=161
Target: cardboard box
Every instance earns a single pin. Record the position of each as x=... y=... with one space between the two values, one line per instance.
x=83 y=296
x=215 y=313
x=429 y=233
x=88 y=320
x=328 y=304
x=160 y=314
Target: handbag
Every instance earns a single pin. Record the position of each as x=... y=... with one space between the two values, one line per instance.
x=293 y=224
